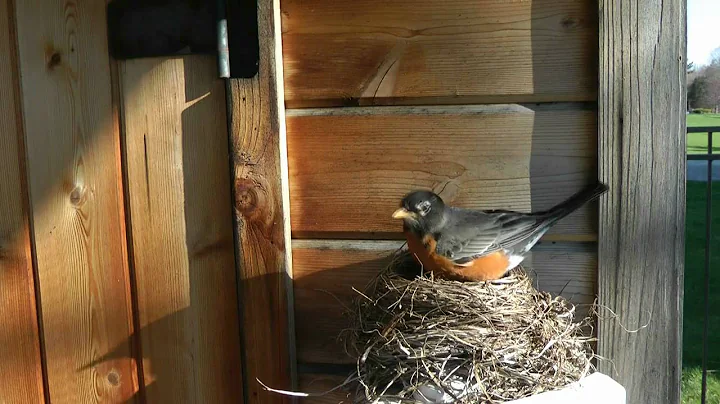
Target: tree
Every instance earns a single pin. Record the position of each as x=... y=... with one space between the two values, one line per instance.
x=715 y=57
x=703 y=83
x=697 y=92
x=689 y=78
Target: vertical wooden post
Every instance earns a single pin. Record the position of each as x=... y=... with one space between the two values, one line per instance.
x=642 y=218
x=261 y=199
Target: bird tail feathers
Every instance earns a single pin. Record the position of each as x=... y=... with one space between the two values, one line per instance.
x=571 y=204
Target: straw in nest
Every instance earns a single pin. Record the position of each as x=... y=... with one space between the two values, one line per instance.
x=419 y=339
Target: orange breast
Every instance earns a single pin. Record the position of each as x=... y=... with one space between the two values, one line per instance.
x=489 y=267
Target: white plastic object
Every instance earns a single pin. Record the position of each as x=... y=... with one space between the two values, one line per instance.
x=594 y=389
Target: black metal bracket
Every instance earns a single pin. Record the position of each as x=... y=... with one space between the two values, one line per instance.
x=155 y=28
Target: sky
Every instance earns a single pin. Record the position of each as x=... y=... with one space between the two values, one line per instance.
x=703 y=29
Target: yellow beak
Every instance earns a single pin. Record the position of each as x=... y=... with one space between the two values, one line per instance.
x=402 y=213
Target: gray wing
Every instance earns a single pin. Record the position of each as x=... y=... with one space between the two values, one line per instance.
x=476 y=234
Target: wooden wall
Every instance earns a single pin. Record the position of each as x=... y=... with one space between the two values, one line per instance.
x=117 y=280
x=491 y=103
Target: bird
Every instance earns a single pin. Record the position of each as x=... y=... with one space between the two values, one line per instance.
x=477 y=245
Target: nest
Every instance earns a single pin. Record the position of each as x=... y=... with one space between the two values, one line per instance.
x=419 y=339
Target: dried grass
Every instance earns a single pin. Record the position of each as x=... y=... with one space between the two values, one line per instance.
x=481 y=342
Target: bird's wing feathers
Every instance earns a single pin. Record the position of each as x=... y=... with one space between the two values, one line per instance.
x=475 y=234
x=462 y=250
x=519 y=227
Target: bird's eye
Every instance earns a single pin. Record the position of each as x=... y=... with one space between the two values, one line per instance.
x=423 y=208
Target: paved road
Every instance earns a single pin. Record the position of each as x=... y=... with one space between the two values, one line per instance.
x=697 y=170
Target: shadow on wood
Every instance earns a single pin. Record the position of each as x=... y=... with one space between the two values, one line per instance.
x=554 y=164
x=323 y=296
x=180 y=220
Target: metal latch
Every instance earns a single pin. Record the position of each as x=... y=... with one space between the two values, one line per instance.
x=153 y=28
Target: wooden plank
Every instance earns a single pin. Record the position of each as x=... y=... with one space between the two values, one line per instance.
x=21 y=378
x=75 y=185
x=326 y=271
x=642 y=217
x=262 y=225
x=351 y=166
x=362 y=52
x=180 y=206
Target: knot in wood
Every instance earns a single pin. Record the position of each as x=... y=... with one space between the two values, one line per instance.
x=77 y=196
x=55 y=60
x=569 y=23
x=250 y=198
x=113 y=378
x=53 y=57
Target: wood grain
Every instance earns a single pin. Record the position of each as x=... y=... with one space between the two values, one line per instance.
x=642 y=217
x=361 y=52
x=262 y=226
x=351 y=166
x=181 y=221
x=21 y=378
x=326 y=271
x=77 y=200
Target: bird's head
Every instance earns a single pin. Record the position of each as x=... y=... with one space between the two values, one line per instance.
x=422 y=211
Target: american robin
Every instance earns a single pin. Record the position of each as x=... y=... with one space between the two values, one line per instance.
x=476 y=245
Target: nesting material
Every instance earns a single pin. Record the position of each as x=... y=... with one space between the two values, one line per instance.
x=420 y=339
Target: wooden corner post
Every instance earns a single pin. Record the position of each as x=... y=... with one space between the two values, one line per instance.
x=642 y=218
x=256 y=114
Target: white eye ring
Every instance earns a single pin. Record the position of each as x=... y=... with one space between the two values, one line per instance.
x=423 y=208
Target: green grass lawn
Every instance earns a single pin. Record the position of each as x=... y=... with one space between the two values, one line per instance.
x=697 y=142
x=692 y=385
x=693 y=313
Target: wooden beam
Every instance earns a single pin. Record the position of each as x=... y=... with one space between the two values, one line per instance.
x=262 y=233
x=21 y=376
x=642 y=218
